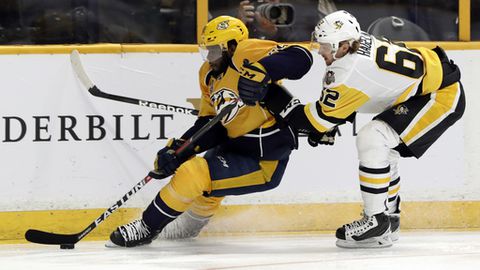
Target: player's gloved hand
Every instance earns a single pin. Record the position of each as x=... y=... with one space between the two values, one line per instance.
x=253 y=81
x=167 y=161
x=325 y=138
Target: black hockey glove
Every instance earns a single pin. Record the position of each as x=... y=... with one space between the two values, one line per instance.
x=325 y=138
x=253 y=81
x=167 y=161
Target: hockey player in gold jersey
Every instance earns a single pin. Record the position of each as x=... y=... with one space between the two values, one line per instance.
x=415 y=92
x=247 y=151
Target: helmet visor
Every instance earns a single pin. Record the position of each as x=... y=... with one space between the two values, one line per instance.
x=319 y=47
x=325 y=48
x=211 y=53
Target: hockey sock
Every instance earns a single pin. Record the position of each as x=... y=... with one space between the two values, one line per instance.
x=393 y=190
x=374 y=184
x=158 y=214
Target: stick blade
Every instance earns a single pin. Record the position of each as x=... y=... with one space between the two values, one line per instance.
x=41 y=237
x=79 y=70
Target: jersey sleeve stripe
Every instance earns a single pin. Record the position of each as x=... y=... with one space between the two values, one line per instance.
x=331 y=119
x=314 y=116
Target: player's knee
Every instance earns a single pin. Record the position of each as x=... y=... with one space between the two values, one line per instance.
x=374 y=143
x=368 y=137
x=192 y=178
x=377 y=134
x=206 y=206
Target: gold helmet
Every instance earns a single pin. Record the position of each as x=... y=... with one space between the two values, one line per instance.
x=218 y=32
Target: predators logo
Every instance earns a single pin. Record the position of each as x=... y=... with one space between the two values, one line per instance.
x=222 y=25
x=223 y=98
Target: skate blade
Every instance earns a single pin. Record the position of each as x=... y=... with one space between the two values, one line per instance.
x=394 y=236
x=110 y=244
x=375 y=242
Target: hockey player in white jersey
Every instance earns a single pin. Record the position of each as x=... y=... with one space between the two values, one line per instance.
x=416 y=94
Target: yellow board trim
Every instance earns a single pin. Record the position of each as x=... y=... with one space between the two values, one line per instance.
x=447 y=45
x=260 y=218
x=180 y=48
x=13 y=225
x=99 y=48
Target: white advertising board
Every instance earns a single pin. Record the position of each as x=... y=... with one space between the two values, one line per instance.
x=62 y=148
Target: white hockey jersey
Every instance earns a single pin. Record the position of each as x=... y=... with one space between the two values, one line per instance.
x=379 y=75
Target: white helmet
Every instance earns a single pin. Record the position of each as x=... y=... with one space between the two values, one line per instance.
x=334 y=28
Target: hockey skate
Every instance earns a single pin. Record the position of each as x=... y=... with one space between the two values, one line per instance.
x=187 y=226
x=135 y=233
x=395 y=221
x=368 y=232
x=394 y=226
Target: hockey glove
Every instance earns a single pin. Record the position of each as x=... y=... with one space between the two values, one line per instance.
x=167 y=161
x=253 y=81
x=279 y=101
x=325 y=138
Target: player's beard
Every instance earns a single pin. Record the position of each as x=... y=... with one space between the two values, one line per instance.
x=220 y=66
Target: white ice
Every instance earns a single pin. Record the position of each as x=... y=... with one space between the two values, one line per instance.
x=414 y=250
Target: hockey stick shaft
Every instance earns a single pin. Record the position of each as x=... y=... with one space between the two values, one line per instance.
x=95 y=91
x=42 y=237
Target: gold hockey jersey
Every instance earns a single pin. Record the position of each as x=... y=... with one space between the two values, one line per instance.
x=378 y=76
x=219 y=91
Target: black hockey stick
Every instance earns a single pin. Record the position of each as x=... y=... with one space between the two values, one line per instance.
x=49 y=238
x=95 y=91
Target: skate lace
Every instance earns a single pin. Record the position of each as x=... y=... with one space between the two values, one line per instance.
x=359 y=226
x=135 y=230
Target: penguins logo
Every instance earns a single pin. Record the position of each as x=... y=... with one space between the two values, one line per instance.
x=400 y=110
x=330 y=77
x=338 y=24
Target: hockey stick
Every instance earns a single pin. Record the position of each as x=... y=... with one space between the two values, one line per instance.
x=95 y=91
x=49 y=238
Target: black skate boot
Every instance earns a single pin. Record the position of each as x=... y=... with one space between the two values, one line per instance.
x=394 y=225
x=135 y=233
x=395 y=221
x=368 y=232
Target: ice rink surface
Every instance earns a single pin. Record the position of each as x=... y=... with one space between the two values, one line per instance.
x=414 y=250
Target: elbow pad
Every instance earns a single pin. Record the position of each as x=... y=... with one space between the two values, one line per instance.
x=290 y=63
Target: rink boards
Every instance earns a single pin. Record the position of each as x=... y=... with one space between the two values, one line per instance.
x=66 y=155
